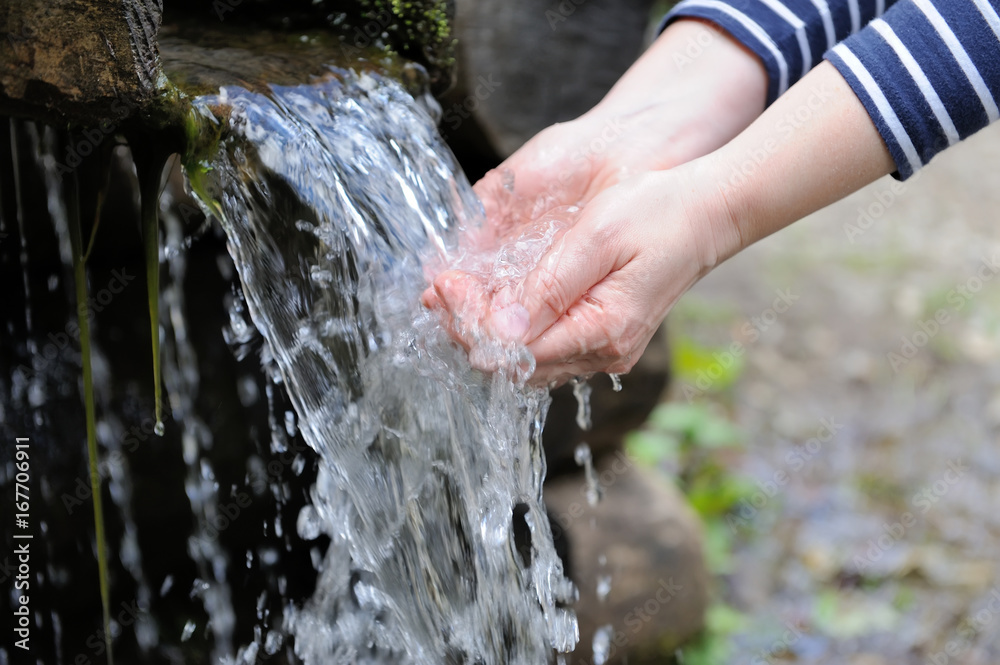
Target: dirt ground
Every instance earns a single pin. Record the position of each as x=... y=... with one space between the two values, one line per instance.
x=871 y=409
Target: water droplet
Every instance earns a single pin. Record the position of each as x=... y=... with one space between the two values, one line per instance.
x=602 y=644
x=273 y=642
x=603 y=587
x=582 y=390
x=321 y=276
x=188 y=631
x=308 y=524
x=159 y=429
x=584 y=458
x=616 y=382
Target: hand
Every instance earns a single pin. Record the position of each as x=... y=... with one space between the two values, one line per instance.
x=669 y=108
x=603 y=285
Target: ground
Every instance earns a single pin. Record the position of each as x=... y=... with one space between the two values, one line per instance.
x=869 y=404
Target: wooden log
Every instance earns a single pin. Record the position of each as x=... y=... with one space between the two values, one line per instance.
x=81 y=62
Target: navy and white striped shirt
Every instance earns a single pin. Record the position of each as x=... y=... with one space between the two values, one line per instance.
x=927 y=71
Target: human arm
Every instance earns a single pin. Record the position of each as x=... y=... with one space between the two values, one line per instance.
x=712 y=71
x=913 y=84
x=668 y=108
x=599 y=293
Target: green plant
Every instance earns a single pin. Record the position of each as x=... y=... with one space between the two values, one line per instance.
x=80 y=276
x=693 y=442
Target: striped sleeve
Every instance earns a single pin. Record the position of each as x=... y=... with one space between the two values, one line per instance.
x=928 y=73
x=789 y=36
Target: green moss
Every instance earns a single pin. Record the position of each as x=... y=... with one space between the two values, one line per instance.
x=421 y=29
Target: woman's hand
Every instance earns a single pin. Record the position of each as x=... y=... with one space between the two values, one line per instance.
x=603 y=287
x=692 y=91
x=605 y=283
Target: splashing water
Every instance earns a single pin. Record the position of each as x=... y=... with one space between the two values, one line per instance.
x=336 y=197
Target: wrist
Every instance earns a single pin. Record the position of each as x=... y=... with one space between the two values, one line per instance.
x=714 y=209
x=695 y=63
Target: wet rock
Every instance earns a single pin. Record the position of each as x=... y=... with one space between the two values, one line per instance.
x=640 y=549
x=97 y=62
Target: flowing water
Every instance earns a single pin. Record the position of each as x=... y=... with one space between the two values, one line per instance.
x=337 y=199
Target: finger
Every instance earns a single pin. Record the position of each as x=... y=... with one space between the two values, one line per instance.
x=578 y=260
x=593 y=336
x=429 y=299
x=463 y=297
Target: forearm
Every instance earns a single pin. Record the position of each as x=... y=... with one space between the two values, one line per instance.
x=814 y=146
x=692 y=57
x=696 y=67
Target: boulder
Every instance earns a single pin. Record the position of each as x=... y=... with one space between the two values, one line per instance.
x=643 y=544
x=550 y=61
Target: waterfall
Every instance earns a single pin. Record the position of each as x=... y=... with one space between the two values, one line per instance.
x=337 y=199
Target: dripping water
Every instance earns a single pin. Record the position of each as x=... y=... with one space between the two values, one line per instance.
x=582 y=391
x=182 y=380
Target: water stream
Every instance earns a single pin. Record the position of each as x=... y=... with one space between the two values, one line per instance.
x=336 y=197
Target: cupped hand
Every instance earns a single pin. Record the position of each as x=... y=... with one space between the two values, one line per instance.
x=589 y=306
x=603 y=286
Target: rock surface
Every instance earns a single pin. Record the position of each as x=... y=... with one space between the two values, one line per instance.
x=653 y=570
x=552 y=61
x=90 y=59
